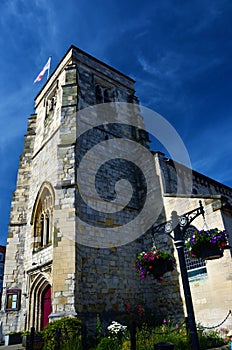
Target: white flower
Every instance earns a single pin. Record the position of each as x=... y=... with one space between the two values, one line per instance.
x=116 y=328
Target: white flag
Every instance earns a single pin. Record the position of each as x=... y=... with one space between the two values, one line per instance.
x=45 y=68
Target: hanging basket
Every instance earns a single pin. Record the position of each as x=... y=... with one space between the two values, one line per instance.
x=207 y=245
x=160 y=266
x=154 y=262
x=210 y=251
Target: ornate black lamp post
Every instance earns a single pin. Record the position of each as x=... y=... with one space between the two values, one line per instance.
x=179 y=225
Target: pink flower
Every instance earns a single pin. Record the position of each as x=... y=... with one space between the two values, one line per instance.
x=127 y=304
x=140 y=309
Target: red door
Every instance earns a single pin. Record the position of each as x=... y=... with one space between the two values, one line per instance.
x=46 y=306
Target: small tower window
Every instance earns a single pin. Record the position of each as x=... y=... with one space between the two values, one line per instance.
x=99 y=94
x=106 y=96
x=103 y=94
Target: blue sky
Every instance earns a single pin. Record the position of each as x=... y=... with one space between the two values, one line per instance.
x=179 y=53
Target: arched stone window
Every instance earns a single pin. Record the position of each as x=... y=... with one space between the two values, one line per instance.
x=103 y=94
x=42 y=217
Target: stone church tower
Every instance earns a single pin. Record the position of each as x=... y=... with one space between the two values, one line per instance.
x=60 y=260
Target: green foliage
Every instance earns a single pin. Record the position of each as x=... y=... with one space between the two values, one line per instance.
x=146 y=337
x=74 y=344
x=92 y=343
x=143 y=334
x=175 y=334
x=98 y=327
x=126 y=345
x=167 y=332
x=26 y=333
x=70 y=331
x=109 y=344
x=180 y=340
x=210 y=339
x=197 y=239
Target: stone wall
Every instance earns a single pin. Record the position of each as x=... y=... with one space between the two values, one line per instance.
x=173 y=172
x=211 y=292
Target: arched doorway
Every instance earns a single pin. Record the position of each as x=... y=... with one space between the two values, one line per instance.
x=40 y=301
x=46 y=306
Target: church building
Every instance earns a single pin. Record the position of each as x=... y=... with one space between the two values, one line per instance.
x=73 y=237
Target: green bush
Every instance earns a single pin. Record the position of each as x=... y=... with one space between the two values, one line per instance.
x=169 y=332
x=146 y=337
x=126 y=345
x=109 y=344
x=180 y=341
x=210 y=339
x=74 y=344
x=70 y=331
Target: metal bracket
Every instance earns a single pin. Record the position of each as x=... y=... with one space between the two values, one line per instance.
x=184 y=221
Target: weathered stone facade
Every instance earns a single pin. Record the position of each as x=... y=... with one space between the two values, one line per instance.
x=44 y=251
x=61 y=258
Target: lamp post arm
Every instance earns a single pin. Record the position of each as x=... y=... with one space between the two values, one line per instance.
x=165 y=227
x=184 y=220
x=188 y=217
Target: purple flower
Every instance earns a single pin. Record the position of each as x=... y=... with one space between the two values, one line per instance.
x=214 y=239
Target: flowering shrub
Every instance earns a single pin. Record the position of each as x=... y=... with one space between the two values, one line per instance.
x=115 y=337
x=154 y=262
x=169 y=326
x=197 y=239
x=168 y=331
x=116 y=330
